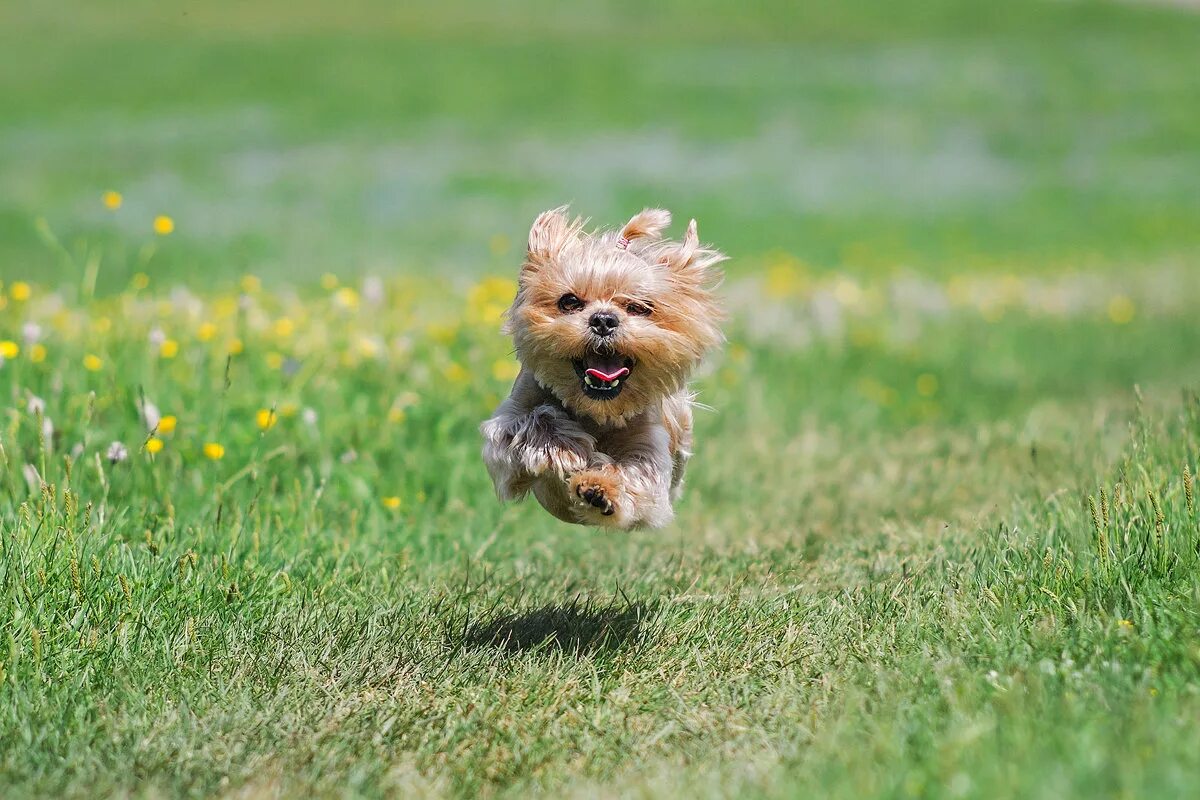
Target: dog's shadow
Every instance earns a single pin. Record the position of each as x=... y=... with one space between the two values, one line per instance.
x=578 y=628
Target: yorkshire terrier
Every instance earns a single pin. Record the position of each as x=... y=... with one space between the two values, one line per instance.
x=608 y=327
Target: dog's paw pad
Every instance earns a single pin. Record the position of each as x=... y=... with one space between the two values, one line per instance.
x=594 y=491
x=596 y=497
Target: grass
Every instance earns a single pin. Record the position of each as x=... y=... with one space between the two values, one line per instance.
x=292 y=138
x=919 y=602
x=940 y=537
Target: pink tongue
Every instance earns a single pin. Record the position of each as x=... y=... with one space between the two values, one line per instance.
x=607 y=367
x=607 y=378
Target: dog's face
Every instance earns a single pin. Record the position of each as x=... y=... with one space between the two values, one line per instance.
x=611 y=322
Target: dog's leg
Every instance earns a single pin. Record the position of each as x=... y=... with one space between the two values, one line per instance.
x=528 y=437
x=630 y=486
x=677 y=419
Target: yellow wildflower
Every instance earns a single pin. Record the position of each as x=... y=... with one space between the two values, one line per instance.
x=20 y=291
x=9 y=349
x=927 y=385
x=224 y=306
x=250 y=284
x=235 y=347
x=368 y=346
x=163 y=225
x=265 y=418
x=329 y=281
x=140 y=281
x=488 y=299
x=288 y=409
x=274 y=360
x=92 y=363
x=505 y=369
x=847 y=292
x=169 y=348
x=283 y=327
x=442 y=333
x=167 y=424
x=1120 y=309
x=346 y=297
x=456 y=373
x=391 y=503
x=786 y=277
x=214 y=451
x=494 y=289
x=37 y=353
x=492 y=313
x=112 y=200
x=1012 y=289
x=958 y=290
x=154 y=445
x=396 y=415
x=876 y=392
x=206 y=331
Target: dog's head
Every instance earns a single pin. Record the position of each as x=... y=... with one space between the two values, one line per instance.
x=612 y=321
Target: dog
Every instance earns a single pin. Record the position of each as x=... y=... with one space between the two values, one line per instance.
x=608 y=327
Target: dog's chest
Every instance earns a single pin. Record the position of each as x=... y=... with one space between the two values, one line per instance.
x=611 y=438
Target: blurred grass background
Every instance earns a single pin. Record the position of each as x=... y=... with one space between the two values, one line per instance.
x=296 y=138
x=933 y=543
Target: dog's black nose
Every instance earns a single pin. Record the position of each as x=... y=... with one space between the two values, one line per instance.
x=603 y=323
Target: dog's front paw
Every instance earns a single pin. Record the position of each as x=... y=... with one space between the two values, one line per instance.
x=597 y=491
x=544 y=441
x=596 y=496
x=561 y=456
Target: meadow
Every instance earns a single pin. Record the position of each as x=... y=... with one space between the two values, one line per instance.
x=940 y=537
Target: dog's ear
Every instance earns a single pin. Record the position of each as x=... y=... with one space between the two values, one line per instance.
x=551 y=232
x=690 y=262
x=648 y=223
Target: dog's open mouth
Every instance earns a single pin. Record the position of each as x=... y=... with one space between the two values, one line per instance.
x=603 y=375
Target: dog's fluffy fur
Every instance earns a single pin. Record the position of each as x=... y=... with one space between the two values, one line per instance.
x=595 y=449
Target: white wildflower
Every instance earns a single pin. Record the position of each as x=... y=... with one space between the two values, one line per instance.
x=157 y=336
x=372 y=290
x=186 y=302
x=150 y=414
x=309 y=416
x=827 y=316
x=117 y=452
x=31 y=332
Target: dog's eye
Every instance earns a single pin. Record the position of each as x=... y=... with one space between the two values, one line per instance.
x=569 y=303
x=639 y=309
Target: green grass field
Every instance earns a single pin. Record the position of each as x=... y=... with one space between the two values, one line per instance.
x=940 y=537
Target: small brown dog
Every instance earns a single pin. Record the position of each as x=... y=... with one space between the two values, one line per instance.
x=608 y=327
